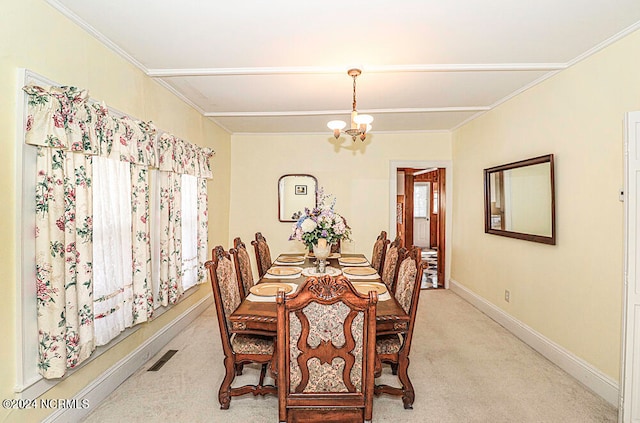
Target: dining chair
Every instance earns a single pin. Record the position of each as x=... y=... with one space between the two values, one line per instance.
x=390 y=263
x=263 y=255
x=238 y=349
x=394 y=349
x=379 y=251
x=326 y=343
x=242 y=264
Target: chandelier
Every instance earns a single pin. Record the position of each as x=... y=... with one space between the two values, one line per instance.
x=360 y=124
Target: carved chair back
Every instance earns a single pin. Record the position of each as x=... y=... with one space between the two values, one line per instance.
x=226 y=292
x=379 y=251
x=243 y=266
x=389 y=269
x=263 y=255
x=326 y=338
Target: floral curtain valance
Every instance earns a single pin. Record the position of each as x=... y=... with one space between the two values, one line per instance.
x=179 y=156
x=64 y=118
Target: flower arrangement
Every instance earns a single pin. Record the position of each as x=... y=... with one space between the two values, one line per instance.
x=320 y=222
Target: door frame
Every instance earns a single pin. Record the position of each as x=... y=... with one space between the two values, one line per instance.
x=629 y=407
x=394 y=165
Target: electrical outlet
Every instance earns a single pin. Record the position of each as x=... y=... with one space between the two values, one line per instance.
x=507 y=295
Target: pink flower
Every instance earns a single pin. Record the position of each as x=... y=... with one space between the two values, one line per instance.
x=29 y=122
x=60 y=223
x=58 y=120
x=123 y=141
x=143 y=219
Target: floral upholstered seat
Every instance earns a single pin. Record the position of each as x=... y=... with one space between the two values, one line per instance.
x=249 y=344
x=388 y=344
x=238 y=349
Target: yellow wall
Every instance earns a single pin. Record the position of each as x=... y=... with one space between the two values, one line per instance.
x=570 y=292
x=35 y=36
x=356 y=173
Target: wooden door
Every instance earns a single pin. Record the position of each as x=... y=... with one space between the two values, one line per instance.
x=421 y=214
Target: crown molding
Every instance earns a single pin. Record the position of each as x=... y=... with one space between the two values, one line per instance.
x=341 y=112
x=318 y=70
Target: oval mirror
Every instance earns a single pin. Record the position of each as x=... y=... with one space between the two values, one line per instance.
x=295 y=192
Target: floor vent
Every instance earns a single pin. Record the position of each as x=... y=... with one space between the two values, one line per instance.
x=163 y=360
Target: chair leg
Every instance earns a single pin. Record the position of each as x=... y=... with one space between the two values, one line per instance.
x=394 y=368
x=239 y=368
x=224 y=394
x=407 y=387
x=263 y=372
x=377 y=368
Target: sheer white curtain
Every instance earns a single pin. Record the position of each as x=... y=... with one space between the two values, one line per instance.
x=189 y=212
x=112 y=248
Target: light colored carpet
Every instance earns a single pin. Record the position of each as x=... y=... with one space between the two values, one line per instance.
x=464 y=367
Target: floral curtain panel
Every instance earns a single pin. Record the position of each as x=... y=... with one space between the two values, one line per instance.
x=68 y=131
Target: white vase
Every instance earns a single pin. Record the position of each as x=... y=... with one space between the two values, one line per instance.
x=322 y=251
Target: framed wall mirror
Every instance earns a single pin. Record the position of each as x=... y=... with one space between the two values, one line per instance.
x=295 y=192
x=520 y=200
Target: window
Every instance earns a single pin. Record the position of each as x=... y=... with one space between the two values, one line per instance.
x=112 y=257
x=420 y=192
x=189 y=213
x=111 y=206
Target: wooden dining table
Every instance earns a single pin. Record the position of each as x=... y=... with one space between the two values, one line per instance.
x=261 y=318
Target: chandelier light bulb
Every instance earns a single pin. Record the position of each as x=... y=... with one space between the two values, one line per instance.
x=336 y=124
x=363 y=119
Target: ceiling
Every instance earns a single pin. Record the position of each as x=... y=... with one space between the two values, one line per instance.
x=281 y=66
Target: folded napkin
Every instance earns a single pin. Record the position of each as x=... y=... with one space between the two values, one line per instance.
x=311 y=271
x=270 y=298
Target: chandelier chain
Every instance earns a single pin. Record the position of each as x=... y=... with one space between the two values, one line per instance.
x=354 y=91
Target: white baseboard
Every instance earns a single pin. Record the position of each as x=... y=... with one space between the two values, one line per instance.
x=588 y=375
x=106 y=383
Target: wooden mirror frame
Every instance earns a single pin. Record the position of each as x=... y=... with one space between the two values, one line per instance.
x=308 y=191
x=487 y=201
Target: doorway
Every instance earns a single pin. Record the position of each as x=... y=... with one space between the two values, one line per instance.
x=421 y=217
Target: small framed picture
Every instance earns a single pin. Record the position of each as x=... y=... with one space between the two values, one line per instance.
x=301 y=189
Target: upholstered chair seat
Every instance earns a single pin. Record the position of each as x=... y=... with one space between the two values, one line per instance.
x=248 y=344
x=388 y=344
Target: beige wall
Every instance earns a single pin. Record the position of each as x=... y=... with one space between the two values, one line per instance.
x=34 y=36
x=570 y=292
x=356 y=173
